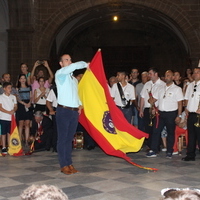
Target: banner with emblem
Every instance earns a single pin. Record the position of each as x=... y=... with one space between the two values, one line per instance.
x=102 y=119
x=15 y=147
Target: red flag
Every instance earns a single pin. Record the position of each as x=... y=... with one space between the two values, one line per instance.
x=102 y=119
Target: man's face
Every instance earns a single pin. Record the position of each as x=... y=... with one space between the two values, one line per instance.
x=40 y=73
x=112 y=81
x=169 y=76
x=66 y=60
x=177 y=76
x=6 y=78
x=120 y=76
x=24 y=68
x=134 y=73
x=152 y=75
x=7 y=90
x=188 y=71
x=38 y=119
x=145 y=78
x=196 y=74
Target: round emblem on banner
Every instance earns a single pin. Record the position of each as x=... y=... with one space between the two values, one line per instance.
x=108 y=123
x=15 y=142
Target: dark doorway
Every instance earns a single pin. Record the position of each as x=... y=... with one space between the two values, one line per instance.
x=125 y=58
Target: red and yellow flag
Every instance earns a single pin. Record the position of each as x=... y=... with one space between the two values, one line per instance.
x=102 y=119
x=15 y=147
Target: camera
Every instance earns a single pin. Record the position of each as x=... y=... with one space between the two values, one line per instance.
x=41 y=62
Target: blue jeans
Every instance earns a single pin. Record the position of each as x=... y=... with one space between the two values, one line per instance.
x=127 y=113
x=67 y=121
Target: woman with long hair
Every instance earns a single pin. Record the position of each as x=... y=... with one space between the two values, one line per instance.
x=24 y=111
x=41 y=69
x=40 y=95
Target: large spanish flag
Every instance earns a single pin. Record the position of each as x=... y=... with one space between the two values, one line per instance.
x=15 y=147
x=102 y=119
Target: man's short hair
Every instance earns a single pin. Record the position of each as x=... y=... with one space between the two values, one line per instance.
x=122 y=72
x=38 y=113
x=154 y=69
x=145 y=72
x=196 y=68
x=43 y=192
x=135 y=68
x=5 y=84
x=176 y=71
x=4 y=74
x=60 y=58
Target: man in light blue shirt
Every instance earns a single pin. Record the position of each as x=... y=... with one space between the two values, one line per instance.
x=68 y=110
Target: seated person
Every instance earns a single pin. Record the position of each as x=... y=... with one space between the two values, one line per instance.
x=180 y=129
x=41 y=131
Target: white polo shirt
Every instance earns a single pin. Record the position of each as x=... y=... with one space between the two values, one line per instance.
x=168 y=97
x=153 y=87
x=8 y=103
x=129 y=93
x=192 y=96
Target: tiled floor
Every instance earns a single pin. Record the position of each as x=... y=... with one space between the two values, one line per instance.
x=101 y=177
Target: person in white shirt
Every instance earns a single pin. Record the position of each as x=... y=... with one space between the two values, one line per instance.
x=8 y=106
x=51 y=103
x=124 y=100
x=138 y=89
x=146 y=95
x=192 y=97
x=169 y=99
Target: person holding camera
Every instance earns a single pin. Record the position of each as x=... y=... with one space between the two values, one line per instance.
x=39 y=71
x=123 y=94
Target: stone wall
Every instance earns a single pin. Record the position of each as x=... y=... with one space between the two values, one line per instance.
x=35 y=24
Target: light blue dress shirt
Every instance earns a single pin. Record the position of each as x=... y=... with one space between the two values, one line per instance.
x=67 y=85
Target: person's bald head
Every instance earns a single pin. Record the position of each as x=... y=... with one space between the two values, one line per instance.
x=169 y=76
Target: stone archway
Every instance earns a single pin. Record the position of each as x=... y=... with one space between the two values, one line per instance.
x=168 y=8
x=34 y=25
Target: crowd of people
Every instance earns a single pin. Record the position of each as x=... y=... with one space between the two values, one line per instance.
x=27 y=99
x=152 y=104
x=158 y=105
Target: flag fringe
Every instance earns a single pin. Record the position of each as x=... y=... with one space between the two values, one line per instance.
x=142 y=167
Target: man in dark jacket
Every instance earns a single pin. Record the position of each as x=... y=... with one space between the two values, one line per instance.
x=42 y=131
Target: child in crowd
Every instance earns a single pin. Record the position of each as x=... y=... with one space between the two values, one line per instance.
x=8 y=106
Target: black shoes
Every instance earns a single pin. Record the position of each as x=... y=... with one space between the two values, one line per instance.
x=90 y=147
x=188 y=158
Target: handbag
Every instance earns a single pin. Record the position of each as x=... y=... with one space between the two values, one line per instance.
x=125 y=102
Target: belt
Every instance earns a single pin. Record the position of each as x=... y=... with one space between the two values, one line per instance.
x=70 y=108
x=192 y=113
x=122 y=107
